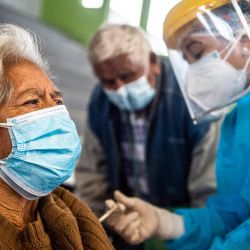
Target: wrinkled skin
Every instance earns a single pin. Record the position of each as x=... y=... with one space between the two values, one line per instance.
x=116 y=72
x=33 y=90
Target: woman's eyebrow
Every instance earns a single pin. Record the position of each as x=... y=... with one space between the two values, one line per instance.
x=32 y=91
x=38 y=92
x=56 y=93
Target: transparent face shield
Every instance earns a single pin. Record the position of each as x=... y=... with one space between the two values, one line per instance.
x=211 y=59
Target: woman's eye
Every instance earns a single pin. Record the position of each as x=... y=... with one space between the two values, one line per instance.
x=32 y=102
x=195 y=49
x=59 y=102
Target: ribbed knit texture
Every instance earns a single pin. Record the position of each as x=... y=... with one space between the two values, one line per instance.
x=63 y=222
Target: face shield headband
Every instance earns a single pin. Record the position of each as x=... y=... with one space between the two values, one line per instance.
x=211 y=60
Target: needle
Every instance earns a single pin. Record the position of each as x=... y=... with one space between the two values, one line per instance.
x=108 y=213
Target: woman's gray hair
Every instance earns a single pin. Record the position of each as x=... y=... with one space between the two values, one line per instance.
x=113 y=40
x=16 y=44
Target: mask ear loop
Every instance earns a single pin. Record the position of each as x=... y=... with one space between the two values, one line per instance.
x=232 y=47
x=243 y=22
x=247 y=63
x=6 y=125
x=241 y=17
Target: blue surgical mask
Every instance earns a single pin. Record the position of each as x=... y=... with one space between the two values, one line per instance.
x=132 y=96
x=45 y=148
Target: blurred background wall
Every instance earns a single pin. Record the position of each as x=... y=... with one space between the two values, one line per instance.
x=73 y=18
x=27 y=7
x=79 y=19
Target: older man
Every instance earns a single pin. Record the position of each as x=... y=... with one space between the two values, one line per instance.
x=39 y=147
x=139 y=136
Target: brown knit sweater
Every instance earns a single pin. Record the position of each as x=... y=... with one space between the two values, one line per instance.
x=63 y=222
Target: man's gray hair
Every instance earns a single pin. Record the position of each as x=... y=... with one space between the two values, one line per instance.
x=16 y=44
x=113 y=40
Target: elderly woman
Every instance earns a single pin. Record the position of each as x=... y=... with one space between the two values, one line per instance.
x=39 y=147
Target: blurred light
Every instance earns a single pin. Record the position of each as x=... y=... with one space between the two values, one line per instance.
x=157 y=12
x=92 y=4
x=125 y=11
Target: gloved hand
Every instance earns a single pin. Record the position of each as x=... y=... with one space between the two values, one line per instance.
x=136 y=220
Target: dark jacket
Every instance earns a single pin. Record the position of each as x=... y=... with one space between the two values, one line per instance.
x=170 y=140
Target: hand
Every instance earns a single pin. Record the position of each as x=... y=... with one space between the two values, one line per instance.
x=136 y=220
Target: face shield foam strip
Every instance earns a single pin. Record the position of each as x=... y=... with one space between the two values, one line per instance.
x=241 y=17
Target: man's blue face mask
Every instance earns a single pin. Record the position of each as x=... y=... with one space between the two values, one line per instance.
x=132 y=96
x=45 y=148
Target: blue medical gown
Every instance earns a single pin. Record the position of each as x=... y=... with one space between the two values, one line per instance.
x=224 y=223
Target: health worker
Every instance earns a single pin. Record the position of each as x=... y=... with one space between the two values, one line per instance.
x=209 y=49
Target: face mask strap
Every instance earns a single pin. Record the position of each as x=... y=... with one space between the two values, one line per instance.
x=241 y=17
x=6 y=125
x=2 y=162
x=247 y=63
x=232 y=46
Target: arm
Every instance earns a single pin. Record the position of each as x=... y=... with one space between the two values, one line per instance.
x=187 y=229
x=237 y=239
x=223 y=212
x=201 y=180
x=91 y=174
x=136 y=220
